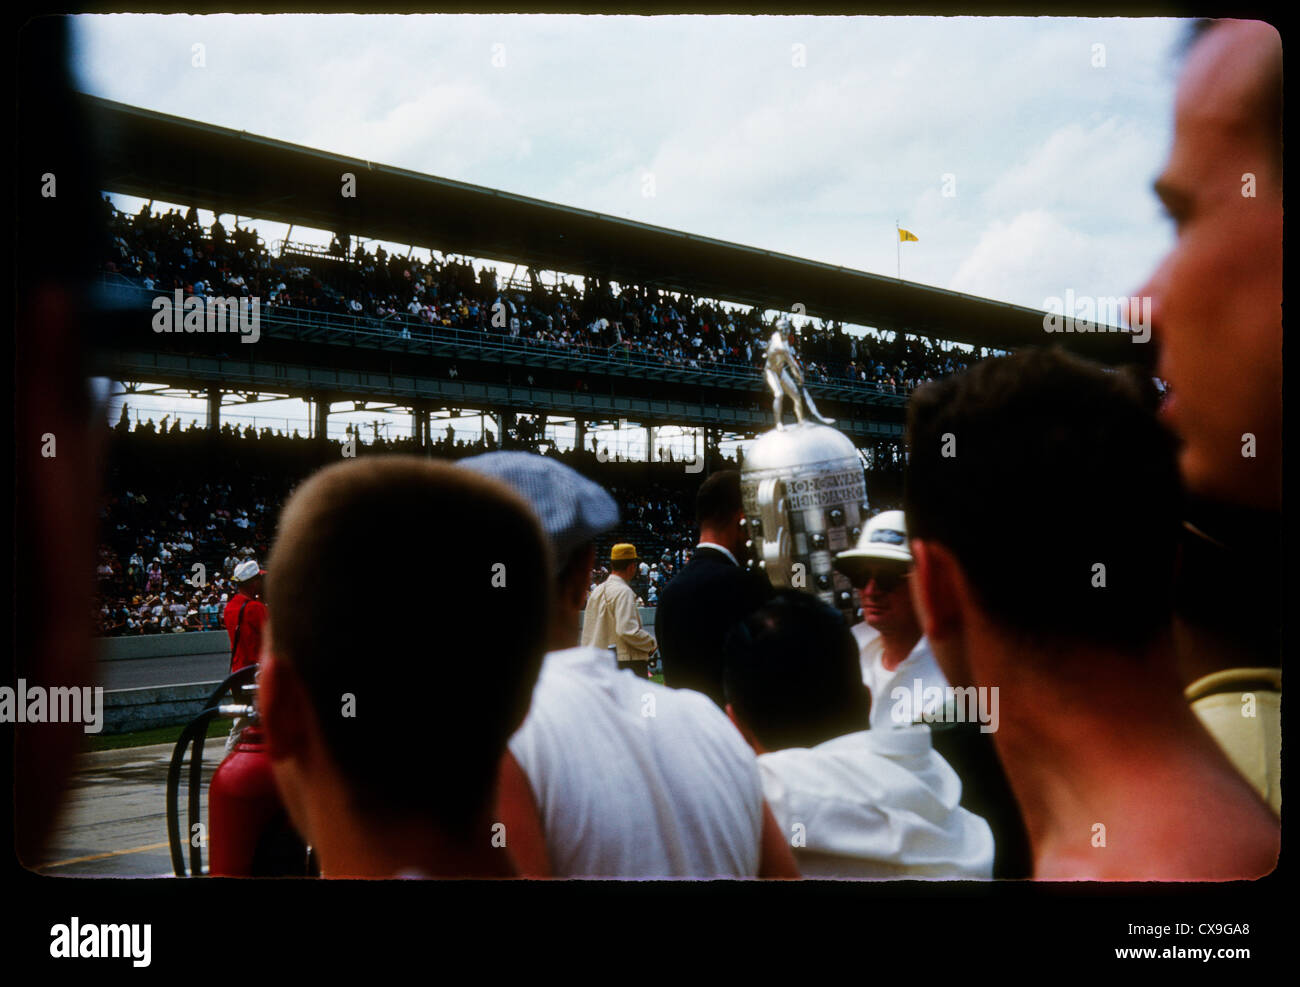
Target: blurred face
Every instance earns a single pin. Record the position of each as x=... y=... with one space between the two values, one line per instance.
x=1216 y=298
x=886 y=598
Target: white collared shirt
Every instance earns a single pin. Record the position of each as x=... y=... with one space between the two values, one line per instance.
x=920 y=664
x=636 y=780
x=717 y=548
x=876 y=803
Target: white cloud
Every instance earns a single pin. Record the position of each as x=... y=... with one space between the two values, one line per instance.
x=1095 y=176
x=817 y=161
x=1028 y=259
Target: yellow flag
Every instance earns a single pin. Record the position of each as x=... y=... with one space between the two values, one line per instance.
x=905 y=235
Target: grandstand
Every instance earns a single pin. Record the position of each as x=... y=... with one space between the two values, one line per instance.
x=667 y=329
x=218 y=499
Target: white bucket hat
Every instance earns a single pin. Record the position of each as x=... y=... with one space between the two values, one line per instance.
x=883 y=538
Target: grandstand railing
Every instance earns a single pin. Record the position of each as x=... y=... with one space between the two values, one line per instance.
x=125 y=224
x=416 y=335
x=288 y=249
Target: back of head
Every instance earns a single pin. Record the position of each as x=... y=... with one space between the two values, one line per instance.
x=792 y=674
x=718 y=500
x=422 y=592
x=572 y=509
x=1056 y=489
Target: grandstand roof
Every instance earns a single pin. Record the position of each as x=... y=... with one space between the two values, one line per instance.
x=158 y=156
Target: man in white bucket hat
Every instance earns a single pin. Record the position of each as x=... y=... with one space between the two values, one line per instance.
x=900 y=670
x=893 y=652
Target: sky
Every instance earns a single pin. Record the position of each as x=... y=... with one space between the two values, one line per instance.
x=1019 y=151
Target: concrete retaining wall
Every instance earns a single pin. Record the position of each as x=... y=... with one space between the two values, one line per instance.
x=210 y=642
x=163 y=645
x=126 y=710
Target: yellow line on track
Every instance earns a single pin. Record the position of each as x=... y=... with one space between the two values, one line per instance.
x=102 y=856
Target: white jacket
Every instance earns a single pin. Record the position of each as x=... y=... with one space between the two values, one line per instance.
x=876 y=803
x=612 y=617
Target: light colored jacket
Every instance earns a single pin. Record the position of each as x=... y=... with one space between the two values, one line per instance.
x=1253 y=743
x=876 y=804
x=612 y=618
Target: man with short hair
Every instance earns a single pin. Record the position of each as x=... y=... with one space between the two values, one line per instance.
x=351 y=704
x=714 y=590
x=245 y=616
x=855 y=802
x=610 y=776
x=1074 y=626
x=613 y=617
x=894 y=653
x=1216 y=320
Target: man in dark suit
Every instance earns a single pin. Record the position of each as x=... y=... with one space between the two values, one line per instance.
x=702 y=602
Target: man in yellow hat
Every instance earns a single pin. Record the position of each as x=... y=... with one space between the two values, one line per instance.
x=612 y=618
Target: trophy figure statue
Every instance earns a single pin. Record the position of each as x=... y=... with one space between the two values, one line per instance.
x=804 y=491
x=785 y=378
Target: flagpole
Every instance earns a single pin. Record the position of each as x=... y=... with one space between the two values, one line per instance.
x=898 y=249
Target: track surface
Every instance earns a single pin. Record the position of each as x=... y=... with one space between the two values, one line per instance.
x=114 y=822
x=138 y=673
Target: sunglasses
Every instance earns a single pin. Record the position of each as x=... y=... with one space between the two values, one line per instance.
x=886 y=580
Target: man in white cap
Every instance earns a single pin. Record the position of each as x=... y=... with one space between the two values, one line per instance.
x=611 y=776
x=894 y=653
x=897 y=662
x=245 y=616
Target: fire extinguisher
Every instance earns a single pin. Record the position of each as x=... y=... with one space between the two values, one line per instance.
x=248 y=831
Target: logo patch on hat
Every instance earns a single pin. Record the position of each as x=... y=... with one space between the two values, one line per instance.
x=889 y=536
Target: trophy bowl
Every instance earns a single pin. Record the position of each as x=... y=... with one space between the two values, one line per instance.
x=805 y=498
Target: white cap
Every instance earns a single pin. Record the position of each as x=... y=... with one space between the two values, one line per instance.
x=245 y=571
x=884 y=537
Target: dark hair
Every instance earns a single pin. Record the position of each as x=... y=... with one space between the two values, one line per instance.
x=1034 y=468
x=575 y=561
x=718 y=499
x=456 y=557
x=791 y=673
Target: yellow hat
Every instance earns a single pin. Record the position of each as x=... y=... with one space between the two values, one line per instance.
x=622 y=552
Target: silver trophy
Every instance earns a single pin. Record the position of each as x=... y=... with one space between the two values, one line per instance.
x=805 y=495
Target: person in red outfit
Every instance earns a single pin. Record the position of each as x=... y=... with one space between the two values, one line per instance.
x=245 y=616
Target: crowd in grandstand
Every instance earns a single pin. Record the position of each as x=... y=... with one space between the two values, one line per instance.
x=411 y=297
x=158 y=525
x=170 y=539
